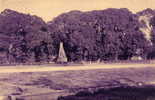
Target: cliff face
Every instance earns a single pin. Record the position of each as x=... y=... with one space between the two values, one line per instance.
x=144 y=19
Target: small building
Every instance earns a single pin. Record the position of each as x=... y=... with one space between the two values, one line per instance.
x=136 y=58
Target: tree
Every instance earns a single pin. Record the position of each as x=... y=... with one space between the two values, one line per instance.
x=77 y=36
x=27 y=37
x=109 y=34
x=151 y=54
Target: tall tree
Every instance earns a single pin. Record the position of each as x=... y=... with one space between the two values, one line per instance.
x=26 y=36
x=109 y=34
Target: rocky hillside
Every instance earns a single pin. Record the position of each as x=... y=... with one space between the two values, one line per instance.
x=144 y=18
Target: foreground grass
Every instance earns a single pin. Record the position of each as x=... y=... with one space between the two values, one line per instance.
x=61 y=83
x=116 y=93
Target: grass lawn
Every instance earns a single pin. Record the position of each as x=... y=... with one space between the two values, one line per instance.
x=50 y=85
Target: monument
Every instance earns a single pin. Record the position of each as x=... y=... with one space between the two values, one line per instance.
x=62 y=58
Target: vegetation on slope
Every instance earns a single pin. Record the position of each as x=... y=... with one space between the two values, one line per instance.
x=103 y=35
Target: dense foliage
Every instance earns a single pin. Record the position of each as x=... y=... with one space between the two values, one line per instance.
x=23 y=38
x=152 y=52
x=109 y=34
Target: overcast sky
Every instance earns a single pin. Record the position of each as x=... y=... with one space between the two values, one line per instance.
x=47 y=9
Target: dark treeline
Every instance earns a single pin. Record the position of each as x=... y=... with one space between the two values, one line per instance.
x=111 y=34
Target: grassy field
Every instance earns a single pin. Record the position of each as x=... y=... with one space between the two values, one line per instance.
x=50 y=85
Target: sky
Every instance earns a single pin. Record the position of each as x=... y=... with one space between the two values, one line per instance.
x=48 y=9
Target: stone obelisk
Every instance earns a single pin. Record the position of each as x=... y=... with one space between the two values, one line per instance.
x=62 y=58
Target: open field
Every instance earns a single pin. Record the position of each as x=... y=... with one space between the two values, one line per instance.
x=47 y=83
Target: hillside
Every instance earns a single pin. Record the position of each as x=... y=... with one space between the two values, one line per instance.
x=99 y=35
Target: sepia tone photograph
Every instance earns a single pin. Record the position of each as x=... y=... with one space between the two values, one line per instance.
x=77 y=49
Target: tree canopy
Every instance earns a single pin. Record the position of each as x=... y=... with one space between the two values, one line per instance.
x=109 y=34
x=24 y=37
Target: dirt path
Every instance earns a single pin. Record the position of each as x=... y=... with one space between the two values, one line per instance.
x=45 y=68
